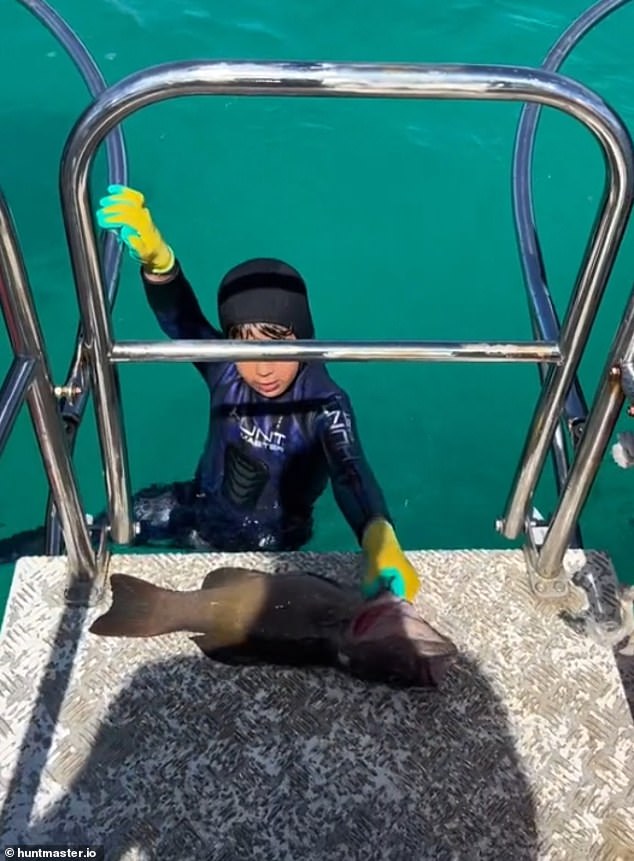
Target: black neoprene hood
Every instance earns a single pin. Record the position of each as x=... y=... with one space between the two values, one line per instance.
x=265 y=290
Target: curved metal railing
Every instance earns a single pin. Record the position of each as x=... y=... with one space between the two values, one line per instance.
x=29 y=379
x=73 y=395
x=542 y=309
x=339 y=80
x=96 y=275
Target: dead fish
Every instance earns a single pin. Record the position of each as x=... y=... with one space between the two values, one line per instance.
x=294 y=619
x=623 y=450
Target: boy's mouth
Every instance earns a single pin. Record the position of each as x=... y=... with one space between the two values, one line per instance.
x=268 y=388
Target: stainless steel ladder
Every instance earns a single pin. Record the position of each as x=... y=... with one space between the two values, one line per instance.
x=560 y=351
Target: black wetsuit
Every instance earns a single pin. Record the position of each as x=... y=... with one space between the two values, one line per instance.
x=265 y=462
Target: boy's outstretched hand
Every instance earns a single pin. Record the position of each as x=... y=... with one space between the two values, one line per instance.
x=387 y=566
x=124 y=211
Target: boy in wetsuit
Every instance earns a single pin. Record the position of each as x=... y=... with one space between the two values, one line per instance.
x=277 y=430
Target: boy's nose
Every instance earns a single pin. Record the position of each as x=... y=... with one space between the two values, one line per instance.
x=263 y=369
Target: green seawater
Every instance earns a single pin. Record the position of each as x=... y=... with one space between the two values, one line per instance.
x=398 y=214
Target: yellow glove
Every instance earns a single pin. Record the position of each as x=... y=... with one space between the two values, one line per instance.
x=125 y=212
x=386 y=564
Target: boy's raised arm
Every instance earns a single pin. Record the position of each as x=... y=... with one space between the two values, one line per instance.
x=169 y=293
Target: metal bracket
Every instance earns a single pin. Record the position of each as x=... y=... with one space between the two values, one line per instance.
x=603 y=618
x=547 y=588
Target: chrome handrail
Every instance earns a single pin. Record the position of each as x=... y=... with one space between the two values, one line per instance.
x=31 y=379
x=72 y=406
x=495 y=83
x=604 y=412
x=544 y=316
x=336 y=351
x=541 y=306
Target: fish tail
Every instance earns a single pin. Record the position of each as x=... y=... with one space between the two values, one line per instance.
x=138 y=609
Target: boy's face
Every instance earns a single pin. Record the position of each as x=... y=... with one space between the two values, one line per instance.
x=269 y=379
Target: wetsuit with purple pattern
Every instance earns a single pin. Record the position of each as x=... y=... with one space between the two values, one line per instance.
x=265 y=461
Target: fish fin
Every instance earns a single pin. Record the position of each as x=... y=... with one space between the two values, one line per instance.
x=228 y=574
x=136 y=609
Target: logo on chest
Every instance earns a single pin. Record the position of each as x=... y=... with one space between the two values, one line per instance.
x=269 y=438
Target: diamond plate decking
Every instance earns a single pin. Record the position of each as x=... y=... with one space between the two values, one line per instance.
x=145 y=746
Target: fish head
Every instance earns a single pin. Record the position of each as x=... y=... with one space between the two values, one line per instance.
x=388 y=641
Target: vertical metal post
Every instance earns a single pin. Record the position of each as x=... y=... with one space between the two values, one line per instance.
x=530 y=250
x=26 y=340
x=576 y=328
x=117 y=172
x=604 y=413
x=97 y=325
